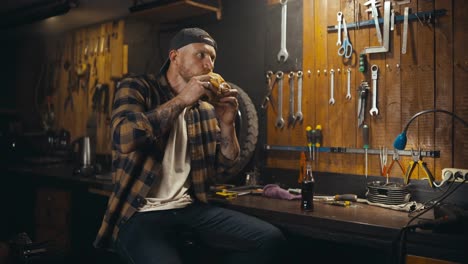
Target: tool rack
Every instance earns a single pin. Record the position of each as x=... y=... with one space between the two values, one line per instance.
x=424 y=153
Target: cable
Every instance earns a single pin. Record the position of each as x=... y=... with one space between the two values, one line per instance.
x=400 y=240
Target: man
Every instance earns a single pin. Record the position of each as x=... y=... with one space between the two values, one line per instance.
x=168 y=147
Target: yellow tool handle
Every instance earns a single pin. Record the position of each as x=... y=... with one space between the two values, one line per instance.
x=346 y=197
x=409 y=171
x=428 y=173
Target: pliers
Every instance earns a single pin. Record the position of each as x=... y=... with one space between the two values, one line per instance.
x=396 y=158
x=417 y=161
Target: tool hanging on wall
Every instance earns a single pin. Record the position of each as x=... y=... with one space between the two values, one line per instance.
x=417 y=161
x=291 y=116
x=346 y=49
x=283 y=53
x=362 y=62
x=386 y=28
x=279 y=118
x=299 y=115
x=365 y=142
x=363 y=90
x=268 y=98
x=395 y=159
x=374 y=110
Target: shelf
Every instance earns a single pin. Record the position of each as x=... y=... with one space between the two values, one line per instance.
x=170 y=11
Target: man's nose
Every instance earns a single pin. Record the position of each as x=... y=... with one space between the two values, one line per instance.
x=208 y=64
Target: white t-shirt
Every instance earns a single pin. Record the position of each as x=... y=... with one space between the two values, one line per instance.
x=170 y=191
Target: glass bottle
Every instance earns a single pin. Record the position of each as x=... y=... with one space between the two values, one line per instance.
x=307 y=189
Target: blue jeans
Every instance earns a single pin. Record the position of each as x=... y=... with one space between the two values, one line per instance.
x=149 y=237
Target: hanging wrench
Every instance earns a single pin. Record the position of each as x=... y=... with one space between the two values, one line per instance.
x=348 y=94
x=291 y=117
x=332 y=84
x=283 y=53
x=267 y=98
x=299 y=115
x=339 y=16
x=374 y=110
x=279 y=118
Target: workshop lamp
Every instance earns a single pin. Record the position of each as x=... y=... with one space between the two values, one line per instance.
x=400 y=140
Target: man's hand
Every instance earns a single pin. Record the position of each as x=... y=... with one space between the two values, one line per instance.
x=226 y=107
x=196 y=88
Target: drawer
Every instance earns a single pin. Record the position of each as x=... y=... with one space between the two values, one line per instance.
x=52 y=198
x=52 y=217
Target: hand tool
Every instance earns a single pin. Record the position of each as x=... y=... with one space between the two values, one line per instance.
x=291 y=116
x=375 y=16
x=346 y=49
x=415 y=162
x=270 y=86
x=392 y=20
x=386 y=26
x=374 y=110
x=317 y=140
x=339 y=16
x=405 y=31
x=383 y=161
x=310 y=141
x=279 y=118
x=299 y=115
x=396 y=158
x=365 y=142
x=283 y=53
x=332 y=80
x=362 y=94
x=348 y=84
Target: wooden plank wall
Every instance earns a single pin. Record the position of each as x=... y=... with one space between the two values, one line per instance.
x=432 y=74
x=101 y=48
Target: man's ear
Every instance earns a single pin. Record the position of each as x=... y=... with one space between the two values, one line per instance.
x=172 y=55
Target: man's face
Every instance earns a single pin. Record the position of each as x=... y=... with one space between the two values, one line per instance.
x=194 y=59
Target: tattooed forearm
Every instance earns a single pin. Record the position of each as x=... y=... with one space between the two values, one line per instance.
x=228 y=142
x=167 y=114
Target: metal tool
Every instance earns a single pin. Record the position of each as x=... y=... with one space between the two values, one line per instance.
x=283 y=53
x=310 y=141
x=299 y=115
x=386 y=26
x=362 y=95
x=392 y=20
x=279 y=119
x=346 y=49
x=291 y=116
x=415 y=162
x=383 y=161
x=395 y=159
x=365 y=142
x=348 y=84
x=317 y=140
x=374 y=110
x=339 y=16
x=375 y=16
x=270 y=86
x=332 y=84
x=405 y=31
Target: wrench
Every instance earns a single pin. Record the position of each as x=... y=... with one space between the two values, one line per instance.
x=332 y=84
x=291 y=117
x=283 y=53
x=267 y=98
x=348 y=94
x=299 y=115
x=279 y=119
x=374 y=110
x=339 y=16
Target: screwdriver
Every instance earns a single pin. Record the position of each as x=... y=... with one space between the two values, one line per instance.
x=365 y=141
x=318 y=138
x=310 y=140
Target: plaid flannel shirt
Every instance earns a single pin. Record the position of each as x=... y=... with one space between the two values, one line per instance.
x=139 y=144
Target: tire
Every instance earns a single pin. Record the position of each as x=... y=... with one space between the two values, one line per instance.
x=246 y=130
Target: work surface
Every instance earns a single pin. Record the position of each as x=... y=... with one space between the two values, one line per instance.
x=359 y=224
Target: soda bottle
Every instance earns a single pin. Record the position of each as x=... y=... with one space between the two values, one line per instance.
x=307 y=190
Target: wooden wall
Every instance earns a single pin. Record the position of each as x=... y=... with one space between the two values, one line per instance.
x=101 y=49
x=432 y=74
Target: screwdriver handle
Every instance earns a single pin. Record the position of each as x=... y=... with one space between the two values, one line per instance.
x=309 y=134
x=346 y=197
x=365 y=136
x=318 y=136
